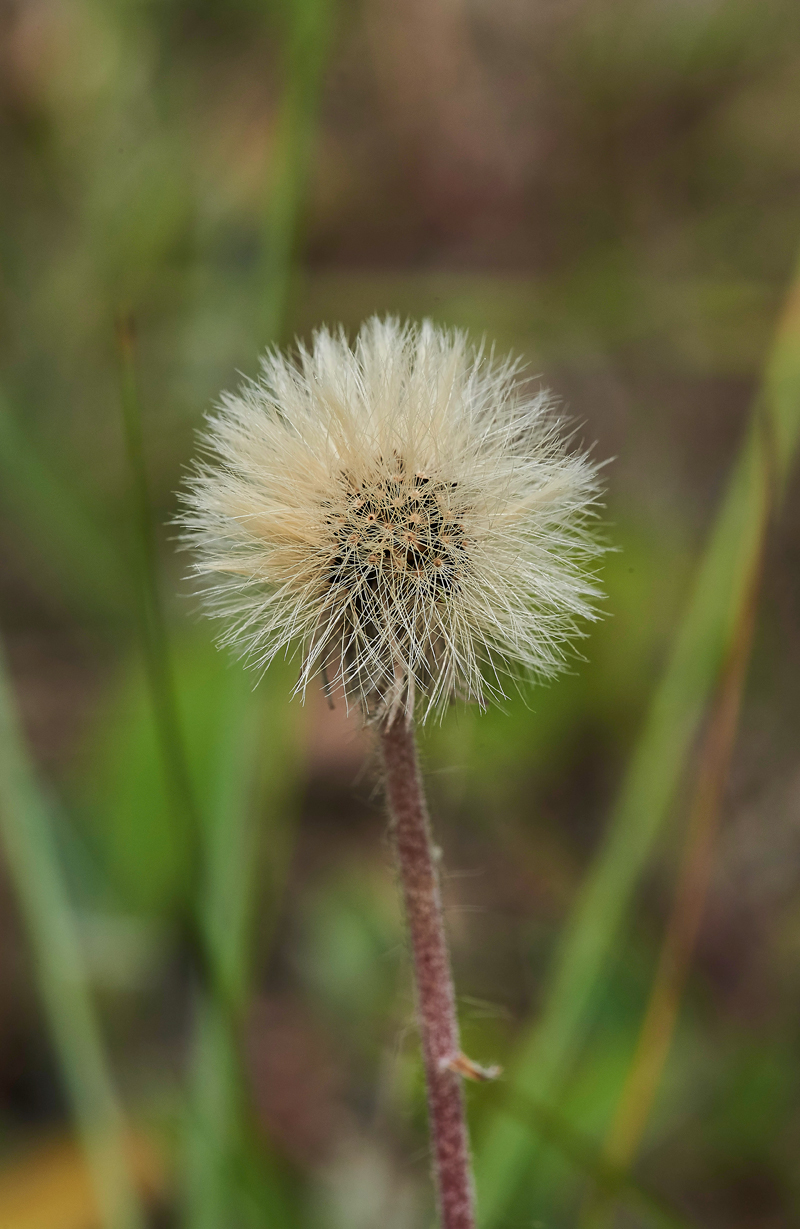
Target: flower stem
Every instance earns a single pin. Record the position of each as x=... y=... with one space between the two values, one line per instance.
x=436 y=1006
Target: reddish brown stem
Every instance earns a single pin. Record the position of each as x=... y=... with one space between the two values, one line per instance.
x=436 y=1006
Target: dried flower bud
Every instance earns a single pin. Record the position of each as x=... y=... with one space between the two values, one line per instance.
x=403 y=510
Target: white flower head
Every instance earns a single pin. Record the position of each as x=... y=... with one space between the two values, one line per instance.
x=404 y=510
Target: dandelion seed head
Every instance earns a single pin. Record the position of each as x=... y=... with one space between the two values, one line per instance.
x=404 y=510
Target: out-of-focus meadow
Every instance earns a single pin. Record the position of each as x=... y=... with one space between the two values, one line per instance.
x=206 y=1017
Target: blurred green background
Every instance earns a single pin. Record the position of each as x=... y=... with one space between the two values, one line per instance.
x=207 y=1017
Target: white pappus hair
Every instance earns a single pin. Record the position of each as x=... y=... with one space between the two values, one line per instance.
x=403 y=510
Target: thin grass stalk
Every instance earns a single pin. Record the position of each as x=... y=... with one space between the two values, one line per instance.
x=254 y=769
x=215 y=1105
x=304 y=61
x=27 y=828
x=661 y=1015
x=436 y=1003
x=721 y=591
x=152 y=624
x=216 y=1097
x=215 y=1092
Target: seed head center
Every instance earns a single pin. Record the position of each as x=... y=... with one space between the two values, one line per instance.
x=398 y=531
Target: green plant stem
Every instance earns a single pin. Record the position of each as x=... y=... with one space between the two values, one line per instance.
x=29 y=840
x=546 y=1054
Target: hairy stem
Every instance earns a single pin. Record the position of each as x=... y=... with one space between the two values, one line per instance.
x=436 y=1006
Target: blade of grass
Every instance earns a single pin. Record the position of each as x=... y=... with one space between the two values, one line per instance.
x=721 y=589
x=148 y=595
x=307 y=42
x=220 y=1107
x=28 y=836
x=216 y=1097
x=655 y=1038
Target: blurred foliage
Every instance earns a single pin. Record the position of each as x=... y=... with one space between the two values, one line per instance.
x=609 y=188
x=31 y=852
x=725 y=591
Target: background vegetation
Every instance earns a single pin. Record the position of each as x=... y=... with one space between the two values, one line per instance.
x=207 y=1016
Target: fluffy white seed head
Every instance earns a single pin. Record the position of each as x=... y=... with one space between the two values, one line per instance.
x=403 y=510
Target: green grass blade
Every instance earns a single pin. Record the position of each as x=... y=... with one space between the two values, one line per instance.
x=27 y=831
x=545 y=1055
x=307 y=43
x=215 y=1100
x=148 y=595
x=256 y=773
x=257 y=767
